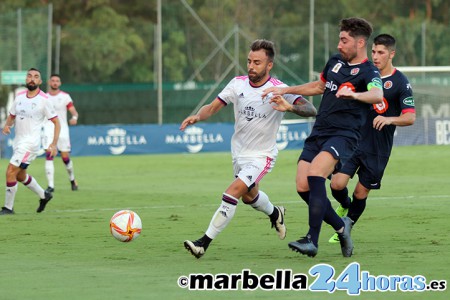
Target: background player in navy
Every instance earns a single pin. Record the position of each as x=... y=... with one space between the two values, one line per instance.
x=371 y=158
x=349 y=83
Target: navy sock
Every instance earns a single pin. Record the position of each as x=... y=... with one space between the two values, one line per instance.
x=317 y=206
x=342 y=197
x=304 y=196
x=356 y=209
x=330 y=217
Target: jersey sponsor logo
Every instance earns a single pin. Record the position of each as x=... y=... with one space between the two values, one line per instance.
x=250 y=113
x=387 y=85
x=336 y=67
x=409 y=101
x=354 y=71
x=330 y=85
x=381 y=107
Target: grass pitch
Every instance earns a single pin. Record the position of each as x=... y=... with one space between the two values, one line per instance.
x=67 y=252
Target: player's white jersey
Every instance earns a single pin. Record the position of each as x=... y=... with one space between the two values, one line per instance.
x=30 y=115
x=256 y=122
x=61 y=102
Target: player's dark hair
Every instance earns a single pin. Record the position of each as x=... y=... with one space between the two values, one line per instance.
x=356 y=27
x=55 y=75
x=386 y=40
x=265 y=45
x=34 y=69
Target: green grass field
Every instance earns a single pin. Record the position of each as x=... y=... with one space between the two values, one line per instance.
x=67 y=251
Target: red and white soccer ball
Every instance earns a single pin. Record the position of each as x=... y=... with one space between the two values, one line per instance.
x=125 y=225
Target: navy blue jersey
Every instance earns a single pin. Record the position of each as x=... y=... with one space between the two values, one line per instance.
x=398 y=99
x=344 y=117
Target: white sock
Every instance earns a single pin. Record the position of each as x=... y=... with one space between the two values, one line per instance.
x=263 y=203
x=69 y=168
x=223 y=216
x=50 y=172
x=10 y=195
x=33 y=185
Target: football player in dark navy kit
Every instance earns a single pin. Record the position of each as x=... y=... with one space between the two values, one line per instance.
x=349 y=84
x=372 y=156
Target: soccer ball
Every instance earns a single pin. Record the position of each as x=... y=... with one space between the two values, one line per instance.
x=125 y=225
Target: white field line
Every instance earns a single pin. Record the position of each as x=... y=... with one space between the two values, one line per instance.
x=215 y=204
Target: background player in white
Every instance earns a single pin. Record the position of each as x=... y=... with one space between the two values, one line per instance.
x=62 y=103
x=28 y=113
x=253 y=145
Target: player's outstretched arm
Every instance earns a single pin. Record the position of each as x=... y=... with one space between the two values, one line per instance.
x=302 y=107
x=308 y=89
x=204 y=113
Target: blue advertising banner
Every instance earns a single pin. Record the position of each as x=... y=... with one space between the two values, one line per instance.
x=151 y=139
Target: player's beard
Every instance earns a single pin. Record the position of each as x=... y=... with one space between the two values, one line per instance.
x=349 y=56
x=31 y=87
x=256 y=77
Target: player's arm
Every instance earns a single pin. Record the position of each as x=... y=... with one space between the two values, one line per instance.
x=8 y=124
x=74 y=119
x=301 y=107
x=373 y=96
x=56 y=130
x=204 y=113
x=308 y=89
x=405 y=119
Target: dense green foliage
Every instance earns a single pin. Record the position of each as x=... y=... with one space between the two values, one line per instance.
x=104 y=41
x=67 y=251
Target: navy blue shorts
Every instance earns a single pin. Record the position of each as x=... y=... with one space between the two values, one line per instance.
x=369 y=167
x=342 y=148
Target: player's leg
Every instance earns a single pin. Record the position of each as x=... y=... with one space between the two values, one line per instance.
x=49 y=172
x=221 y=218
x=328 y=160
x=65 y=156
x=32 y=184
x=47 y=137
x=358 y=204
x=251 y=172
x=370 y=175
x=339 y=182
x=11 y=189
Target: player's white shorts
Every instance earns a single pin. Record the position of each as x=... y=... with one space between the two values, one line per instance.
x=22 y=157
x=252 y=170
x=63 y=140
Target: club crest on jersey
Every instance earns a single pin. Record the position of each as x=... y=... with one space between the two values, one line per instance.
x=354 y=71
x=387 y=85
x=336 y=67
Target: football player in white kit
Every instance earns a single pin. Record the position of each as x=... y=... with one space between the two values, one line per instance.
x=253 y=145
x=28 y=113
x=62 y=103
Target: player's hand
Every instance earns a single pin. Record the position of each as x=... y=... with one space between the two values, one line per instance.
x=189 y=121
x=280 y=104
x=379 y=122
x=73 y=121
x=52 y=149
x=346 y=93
x=6 y=130
x=276 y=91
